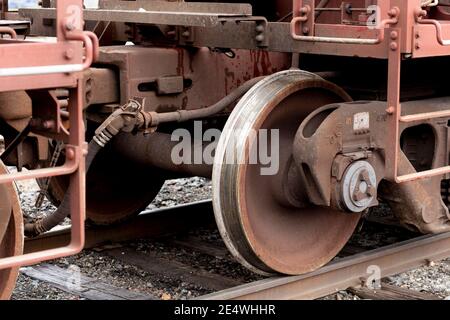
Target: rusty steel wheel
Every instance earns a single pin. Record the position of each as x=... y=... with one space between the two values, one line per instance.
x=262 y=232
x=116 y=188
x=11 y=234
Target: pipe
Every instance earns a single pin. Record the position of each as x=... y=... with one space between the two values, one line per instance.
x=8 y=30
x=91 y=53
x=141 y=148
x=322 y=4
x=295 y=60
x=186 y=115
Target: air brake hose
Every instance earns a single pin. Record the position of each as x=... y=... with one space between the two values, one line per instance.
x=125 y=118
x=128 y=118
x=58 y=216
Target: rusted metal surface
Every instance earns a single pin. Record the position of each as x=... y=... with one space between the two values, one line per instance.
x=43 y=75
x=46 y=116
x=20 y=27
x=140 y=149
x=5 y=211
x=8 y=30
x=338 y=136
x=182 y=15
x=148 y=225
x=75 y=167
x=187 y=56
x=108 y=201
x=3 y=8
x=343 y=273
x=275 y=232
x=11 y=234
x=304 y=21
x=338 y=275
x=16 y=121
x=184 y=7
x=326 y=36
x=101 y=86
x=57 y=61
x=207 y=76
x=18 y=117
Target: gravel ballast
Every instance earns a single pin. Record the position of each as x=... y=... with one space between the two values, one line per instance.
x=434 y=278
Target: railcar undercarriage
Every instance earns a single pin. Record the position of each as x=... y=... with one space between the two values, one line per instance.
x=351 y=97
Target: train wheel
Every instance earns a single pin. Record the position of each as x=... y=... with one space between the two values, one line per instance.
x=263 y=233
x=11 y=234
x=116 y=188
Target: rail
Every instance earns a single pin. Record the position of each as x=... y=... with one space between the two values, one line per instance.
x=343 y=273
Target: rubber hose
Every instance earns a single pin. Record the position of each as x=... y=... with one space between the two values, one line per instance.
x=63 y=211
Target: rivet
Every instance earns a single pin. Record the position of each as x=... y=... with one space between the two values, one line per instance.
x=70 y=26
x=260 y=28
x=69 y=54
x=260 y=38
x=70 y=154
x=390 y=110
x=304 y=10
x=48 y=124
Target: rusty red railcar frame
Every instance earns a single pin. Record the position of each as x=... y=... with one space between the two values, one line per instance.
x=39 y=65
x=402 y=31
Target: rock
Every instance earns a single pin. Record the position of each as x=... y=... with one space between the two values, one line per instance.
x=166 y=296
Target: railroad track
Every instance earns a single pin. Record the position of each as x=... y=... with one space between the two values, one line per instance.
x=347 y=272
x=149 y=224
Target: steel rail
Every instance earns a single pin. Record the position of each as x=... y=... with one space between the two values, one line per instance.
x=343 y=273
